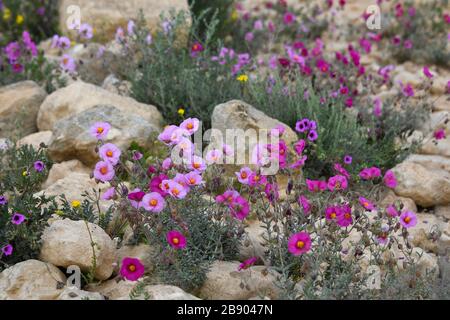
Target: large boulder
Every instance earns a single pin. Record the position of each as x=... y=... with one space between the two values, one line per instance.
x=72 y=138
x=121 y=289
x=240 y=116
x=64 y=169
x=19 y=106
x=225 y=282
x=80 y=96
x=73 y=293
x=66 y=242
x=425 y=179
x=36 y=139
x=31 y=280
x=106 y=15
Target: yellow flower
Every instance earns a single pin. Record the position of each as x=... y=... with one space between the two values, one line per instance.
x=75 y=203
x=181 y=111
x=19 y=19
x=6 y=14
x=25 y=173
x=234 y=15
x=242 y=78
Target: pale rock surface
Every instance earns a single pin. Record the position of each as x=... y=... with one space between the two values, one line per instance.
x=31 y=280
x=35 y=139
x=19 y=106
x=66 y=242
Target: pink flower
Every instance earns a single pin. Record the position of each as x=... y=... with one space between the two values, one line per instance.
x=392 y=211
x=408 y=219
x=227 y=197
x=427 y=72
x=132 y=269
x=166 y=135
x=176 y=240
x=109 y=194
x=299 y=243
x=67 y=63
x=306 y=205
x=341 y=170
x=191 y=125
x=299 y=163
x=213 y=156
x=370 y=173
x=439 y=134
x=345 y=218
x=256 y=180
x=247 y=263
x=390 y=180
x=369 y=206
x=104 y=171
x=153 y=202
x=100 y=130
x=193 y=179
x=175 y=189
x=289 y=18
x=244 y=174
x=197 y=164
x=110 y=153
x=271 y=191
x=240 y=208
x=408 y=90
x=316 y=185
x=337 y=183
x=7 y=250
x=196 y=48
x=278 y=131
x=348 y=159
x=166 y=164
x=136 y=197
x=39 y=166
x=17 y=219
x=86 y=31
x=377 y=107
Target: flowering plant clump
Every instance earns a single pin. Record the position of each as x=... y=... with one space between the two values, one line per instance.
x=23 y=216
x=419 y=32
x=36 y=16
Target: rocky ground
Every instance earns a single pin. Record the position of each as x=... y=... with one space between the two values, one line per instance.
x=62 y=120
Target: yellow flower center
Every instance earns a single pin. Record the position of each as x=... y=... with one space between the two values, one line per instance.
x=333 y=215
x=153 y=202
x=300 y=244
x=132 y=268
x=196 y=165
x=190 y=126
x=100 y=130
x=244 y=175
x=366 y=204
x=175 y=191
x=347 y=216
x=407 y=219
x=192 y=181
x=176 y=241
x=104 y=170
x=109 y=153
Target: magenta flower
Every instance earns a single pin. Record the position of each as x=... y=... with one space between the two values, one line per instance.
x=332 y=213
x=392 y=211
x=240 y=208
x=306 y=205
x=191 y=125
x=302 y=125
x=288 y=18
x=370 y=173
x=272 y=192
x=348 y=159
x=104 y=171
x=110 y=153
x=136 y=196
x=244 y=174
x=196 y=48
x=300 y=146
x=247 y=263
x=299 y=163
x=39 y=166
x=299 y=243
x=17 y=219
x=408 y=90
x=100 y=130
x=156 y=185
x=439 y=134
x=137 y=155
x=337 y=182
x=316 y=185
x=312 y=135
x=153 y=202
x=345 y=218
x=408 y=44
x=175 y=189
x=109 y=194
x=377 y=107
x=176 y=240
x=341 y=170
x=427 y=72
x=7 y=250
x=132 y=269
x=256 y=180
x=369 y=206
x=408 y=219
x=349 y=102
x=390 y=180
